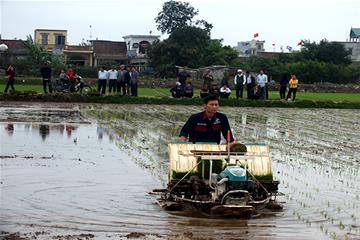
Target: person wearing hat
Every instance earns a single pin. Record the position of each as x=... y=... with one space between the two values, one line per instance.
x=239 y=81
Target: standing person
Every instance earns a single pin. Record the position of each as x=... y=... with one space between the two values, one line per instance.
x=268 y=79
x=225 y=79
x=45 y=72
x=283 y=85
x=182 y=77
x=207 y=126
x=10 y=73
x=121 y=80
x=102 y=77
x=262 y=80
x=208 y=79
x=293 y=85
x=112 y=75
x=249 y=84
x=134 y=82
x=127 y=79
x=239 y=81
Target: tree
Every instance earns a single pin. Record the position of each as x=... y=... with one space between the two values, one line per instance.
x=189 y=43
x=192 y=47
x=325 y=51
x=217 y=54
x=176 y=14
x=39 y=55
x=184 y=47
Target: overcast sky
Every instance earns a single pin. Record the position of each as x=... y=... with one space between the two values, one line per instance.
x=282 y=22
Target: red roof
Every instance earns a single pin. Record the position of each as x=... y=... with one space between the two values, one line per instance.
x=12 y=44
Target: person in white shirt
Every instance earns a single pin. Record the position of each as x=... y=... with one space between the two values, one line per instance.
x=102 y=77
x=262 y=81
x=239 y=81
x=225 y=91
x=112 y=75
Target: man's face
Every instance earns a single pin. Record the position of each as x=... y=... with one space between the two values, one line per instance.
x=212 y=106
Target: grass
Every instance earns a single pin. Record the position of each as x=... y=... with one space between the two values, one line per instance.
x=273 y=95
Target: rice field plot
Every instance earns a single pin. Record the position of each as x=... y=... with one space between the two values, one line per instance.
x=315 y=155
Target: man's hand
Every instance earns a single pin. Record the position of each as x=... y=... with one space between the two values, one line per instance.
x=183 y=139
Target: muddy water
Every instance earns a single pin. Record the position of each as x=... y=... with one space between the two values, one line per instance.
x=66 y=176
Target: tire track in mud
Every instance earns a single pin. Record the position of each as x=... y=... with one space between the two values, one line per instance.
x=315 y=153
x=321 y=174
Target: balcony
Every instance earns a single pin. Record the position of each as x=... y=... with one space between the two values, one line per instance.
x=75 y=48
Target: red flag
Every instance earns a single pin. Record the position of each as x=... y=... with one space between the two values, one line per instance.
x=256 y=35
x=301 y=43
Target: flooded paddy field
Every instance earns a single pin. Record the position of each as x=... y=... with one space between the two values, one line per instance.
x=84 y=172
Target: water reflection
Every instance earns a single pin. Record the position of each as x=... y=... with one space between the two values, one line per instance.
x=61 y=129
x=69 y=129
x=10 y=129
x=44 y=131
x=100 y=133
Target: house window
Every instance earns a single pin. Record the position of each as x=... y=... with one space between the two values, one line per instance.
x=59 y=40
x=44 y=38
x=143 y=46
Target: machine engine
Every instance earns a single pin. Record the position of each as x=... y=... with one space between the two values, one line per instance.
x=233 y=179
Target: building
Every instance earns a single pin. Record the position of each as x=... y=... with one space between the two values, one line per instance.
x=353 y=45
x=95 y=53
x=15 y=51
x=355 y=35
x=250 y=48
x=137 y=46
x=50 y=39
x=106 y=52
x=55 y=42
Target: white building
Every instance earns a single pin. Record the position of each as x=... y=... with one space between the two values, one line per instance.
x=137 y=45
x=250 y=48
x=353 y=45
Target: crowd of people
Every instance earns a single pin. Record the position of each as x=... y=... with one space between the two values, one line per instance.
x=124 y=81
x=255 y=85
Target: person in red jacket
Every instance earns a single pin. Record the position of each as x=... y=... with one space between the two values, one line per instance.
x=10 y=73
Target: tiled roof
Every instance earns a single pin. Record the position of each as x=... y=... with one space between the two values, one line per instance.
x=106 y=48
x=15 y=46
x=355 y=33
x=12 y=44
